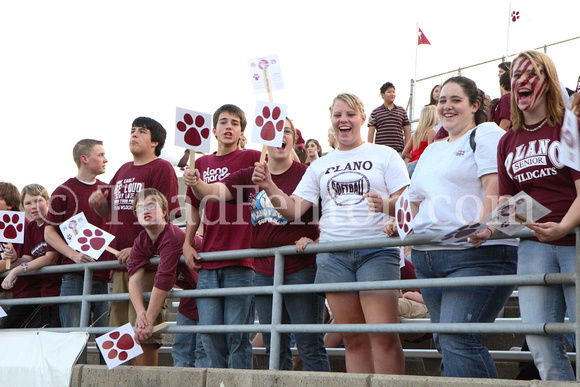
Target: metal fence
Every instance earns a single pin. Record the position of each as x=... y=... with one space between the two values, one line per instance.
x=278 y=289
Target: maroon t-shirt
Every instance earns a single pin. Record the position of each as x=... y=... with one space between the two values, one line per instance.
x=168 y=246
x=69 y=199
x=35 y=246
x=129 y=180
x=270 y=228
x=226 y=225
x=186 y=280
x=501 y=109
x=531 y=164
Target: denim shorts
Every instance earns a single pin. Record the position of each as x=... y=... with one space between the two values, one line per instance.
x=358 y=265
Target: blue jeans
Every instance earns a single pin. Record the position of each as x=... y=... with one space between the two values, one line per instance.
x=226 y=350
x=70 y=314
x=297 y=308
x=187 y=350
x=543 y=304
x=463 y=354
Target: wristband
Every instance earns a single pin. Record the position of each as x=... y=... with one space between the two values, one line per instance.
x=490 y=232
x=24 y=267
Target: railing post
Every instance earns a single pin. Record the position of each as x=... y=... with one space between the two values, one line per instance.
x=87 y=289
x=276 y=311
x=577 y=309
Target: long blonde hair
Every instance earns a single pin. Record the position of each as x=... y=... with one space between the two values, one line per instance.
x=554 y=101
x=427 y=120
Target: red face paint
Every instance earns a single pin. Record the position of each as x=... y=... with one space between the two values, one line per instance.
x=529 y=87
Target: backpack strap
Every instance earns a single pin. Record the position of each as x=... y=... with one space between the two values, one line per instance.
x=472 y=143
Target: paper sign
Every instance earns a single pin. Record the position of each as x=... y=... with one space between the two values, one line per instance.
x=269 y=124
x=12 y=226
x=118 y=346
x=513 y=215
x=2 y=313
x=71 y=227
x=269 y=67
x=92 y=241
x=193 y=130
x=403 y=215
x=570 y=141
x=461 y=233
x=578 y=86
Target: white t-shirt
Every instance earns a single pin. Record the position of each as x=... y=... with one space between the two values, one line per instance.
x=447 y=183
x=341 y=178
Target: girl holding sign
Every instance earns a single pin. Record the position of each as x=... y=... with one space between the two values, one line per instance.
x=345 y=180
x=455 y=182
x=537 y=113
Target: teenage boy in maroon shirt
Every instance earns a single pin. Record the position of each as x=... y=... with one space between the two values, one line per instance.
x=146 y=170
x=226 y=227
x=68 y=200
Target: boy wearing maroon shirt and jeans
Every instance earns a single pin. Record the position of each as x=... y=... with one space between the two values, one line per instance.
x=226 y=228
x=69 y=199
x=159 y=238
x=146 y=170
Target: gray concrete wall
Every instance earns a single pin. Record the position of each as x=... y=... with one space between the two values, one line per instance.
x=127 y=376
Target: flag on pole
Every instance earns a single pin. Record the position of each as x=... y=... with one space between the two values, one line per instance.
x=422 y=39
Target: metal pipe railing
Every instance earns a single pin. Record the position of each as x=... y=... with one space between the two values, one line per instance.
x=278 y=289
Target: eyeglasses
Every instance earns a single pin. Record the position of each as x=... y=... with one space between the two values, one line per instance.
x=288 y=131
x=148 y=207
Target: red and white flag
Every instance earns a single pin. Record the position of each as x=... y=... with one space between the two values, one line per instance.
x=422 y=39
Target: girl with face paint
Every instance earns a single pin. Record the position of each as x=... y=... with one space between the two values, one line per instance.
x=528 y=160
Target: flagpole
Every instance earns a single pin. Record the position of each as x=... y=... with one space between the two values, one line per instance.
x=415 y=76
x=507 y=43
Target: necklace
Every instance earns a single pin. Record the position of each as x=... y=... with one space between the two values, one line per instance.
x=534 y=128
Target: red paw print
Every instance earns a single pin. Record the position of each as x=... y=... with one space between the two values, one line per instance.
x=404 y=215
x=90 y=240
x=515 y=16
x=11 y=226
x=118 y=348
x=193 y=134
x=270 y=125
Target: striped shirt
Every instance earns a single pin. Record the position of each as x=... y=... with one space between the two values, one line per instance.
x=389 y=126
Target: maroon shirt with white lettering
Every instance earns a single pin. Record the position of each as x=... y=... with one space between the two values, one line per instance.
x=69 y=199
x=226 y=225
x=531 y=164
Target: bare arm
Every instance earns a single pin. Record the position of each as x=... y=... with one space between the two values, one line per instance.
x=491 y=193
x=214 y=192
x=33 y=264
x=291 y=207
x=408 y=149
x=54 y=239
x=191 y=227
x=407 y=133
x=431 y=133
x=371 y=134
x=551 y=231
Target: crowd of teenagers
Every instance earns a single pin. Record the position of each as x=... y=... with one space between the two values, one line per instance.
x=466 y=157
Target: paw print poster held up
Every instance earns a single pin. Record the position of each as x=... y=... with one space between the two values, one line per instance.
x=193 y=131
x=92 y=241
x=269 y=124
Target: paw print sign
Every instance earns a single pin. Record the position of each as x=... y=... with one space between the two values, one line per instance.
x=461 y=233
x=119 y=346
x=92 y=241
x=269 y=124
x=12 y=226
x=193 y=130
x=570 y=141
x=403 y=214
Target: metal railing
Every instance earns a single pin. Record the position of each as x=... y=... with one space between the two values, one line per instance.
x=278 y=289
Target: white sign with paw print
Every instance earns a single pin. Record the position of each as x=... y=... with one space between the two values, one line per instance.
x=12 y=226
x=193 y=130
x=269 y=124
x=92 y=241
